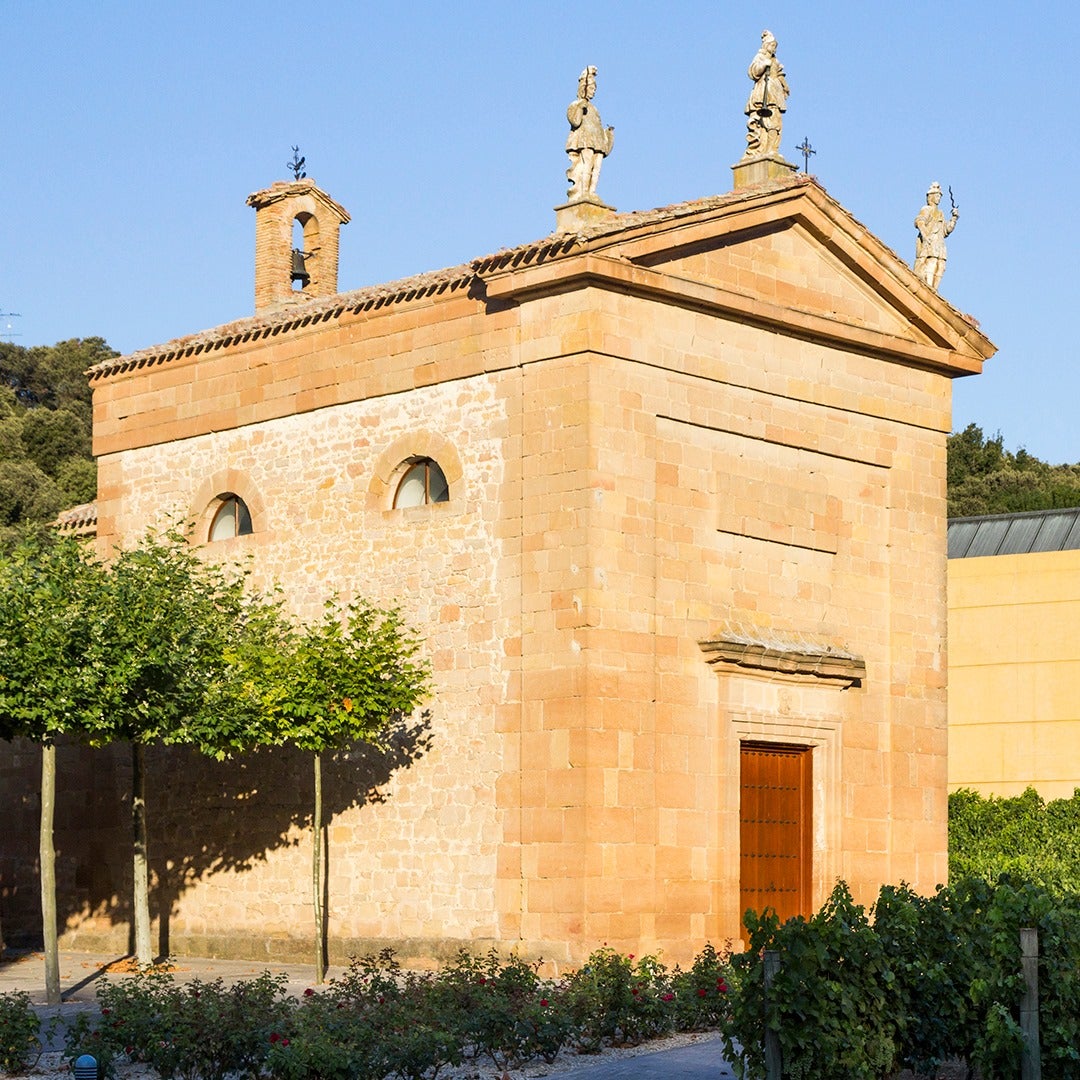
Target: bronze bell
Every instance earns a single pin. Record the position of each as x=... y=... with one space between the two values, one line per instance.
x=299 y=270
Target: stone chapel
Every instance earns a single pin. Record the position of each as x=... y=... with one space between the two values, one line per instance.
x=664 y=494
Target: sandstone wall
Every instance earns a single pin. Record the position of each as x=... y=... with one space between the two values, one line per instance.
x=636 y=470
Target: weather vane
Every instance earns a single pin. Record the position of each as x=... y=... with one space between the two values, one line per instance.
x=806 y=150
x=297 y=164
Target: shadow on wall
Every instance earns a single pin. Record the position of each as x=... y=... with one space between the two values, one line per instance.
x=205 y=817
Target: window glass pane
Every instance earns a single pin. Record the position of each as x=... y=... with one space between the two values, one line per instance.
x=232 y=519
x=410 y=491
x=438 y=489
x=224 y=523
x=243 y=518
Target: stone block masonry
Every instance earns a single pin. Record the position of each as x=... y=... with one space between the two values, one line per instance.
x=696 y=503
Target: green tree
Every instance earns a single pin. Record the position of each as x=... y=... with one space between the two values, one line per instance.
x=985 y=478
x=76 y=480
x=172 y=627
x=53 y=436
x=62 y=369
x=51 y=590
x=45 y=424
x=52 y=375
x=328 y=685
x=27 y=495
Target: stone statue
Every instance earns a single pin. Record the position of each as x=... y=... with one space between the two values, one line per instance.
x=588 y=143
x=930 y=243
x=768 y=100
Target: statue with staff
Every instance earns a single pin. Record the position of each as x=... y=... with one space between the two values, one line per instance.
x=767 y=103
x=933 y=227
x=589 y=142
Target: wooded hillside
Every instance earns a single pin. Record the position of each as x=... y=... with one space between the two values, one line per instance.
x=985 y=478
x=45 y=423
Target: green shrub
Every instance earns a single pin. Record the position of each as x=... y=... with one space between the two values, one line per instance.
x=930 y=978
x=1022 y=837
x=396 y=1023
x=992 y=918
x=198 y=1031
x=501 y=1010
x=931 y=958
x=20 y=1045
x=612 y=1000
x=83 y=1036
x=378 y=1020
x=829 y=1002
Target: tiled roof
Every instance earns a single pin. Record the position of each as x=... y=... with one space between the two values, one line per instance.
x=1014 y=534
x=614 y=229
x=452 y=278
x=78 y=519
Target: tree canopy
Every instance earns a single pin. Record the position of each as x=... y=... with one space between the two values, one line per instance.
x=985 y=478
x=45 y=428
x=324 y=686
x=51 y=675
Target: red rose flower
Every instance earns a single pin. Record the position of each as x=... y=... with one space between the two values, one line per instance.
x=702 y=993
x=543 y=1003
x=275 y=1037
x=309 y=992
x=284 y=1042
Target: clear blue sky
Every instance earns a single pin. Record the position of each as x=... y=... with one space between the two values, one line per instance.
x=133 y=132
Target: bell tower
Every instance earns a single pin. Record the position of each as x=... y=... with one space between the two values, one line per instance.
x=296 y=243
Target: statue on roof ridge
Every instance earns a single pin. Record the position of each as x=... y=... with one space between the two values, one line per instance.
x=588 y=143
x=930 y=243
x=767 y=103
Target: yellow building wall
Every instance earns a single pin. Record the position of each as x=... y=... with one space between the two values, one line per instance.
x=1014 y=673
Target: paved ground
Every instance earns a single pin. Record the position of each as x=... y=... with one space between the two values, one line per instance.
x=80 y=974
x=702 y=1061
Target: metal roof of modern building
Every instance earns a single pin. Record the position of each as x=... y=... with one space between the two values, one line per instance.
x=1014 y=534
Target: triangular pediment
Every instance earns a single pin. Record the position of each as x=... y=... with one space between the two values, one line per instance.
x=790 y=247
x=786 y=265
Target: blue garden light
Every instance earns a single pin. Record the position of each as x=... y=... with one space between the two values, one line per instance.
x=86 y=1067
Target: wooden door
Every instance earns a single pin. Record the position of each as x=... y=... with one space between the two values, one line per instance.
x=775 y=828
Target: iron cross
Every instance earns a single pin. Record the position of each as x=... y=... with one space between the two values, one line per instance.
x=806 y=150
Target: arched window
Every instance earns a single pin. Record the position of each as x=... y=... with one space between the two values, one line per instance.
x=422 y=483
x=231 y=519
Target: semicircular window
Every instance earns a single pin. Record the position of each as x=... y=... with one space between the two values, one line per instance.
x=232 y=518
x=424 y=482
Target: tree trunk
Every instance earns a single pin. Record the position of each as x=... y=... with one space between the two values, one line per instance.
x=317 y=875
x=47 y=852
x=140 y=899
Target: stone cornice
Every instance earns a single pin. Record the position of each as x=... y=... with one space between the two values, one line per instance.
x=776 y=658
x=617 y=254
x=603 y=271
